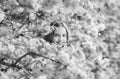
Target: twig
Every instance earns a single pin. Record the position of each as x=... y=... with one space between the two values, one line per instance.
x=11 y=65
x=16 y=31
x=31 y=53
x=20 y=58
x=35 y=54
x=23 y=23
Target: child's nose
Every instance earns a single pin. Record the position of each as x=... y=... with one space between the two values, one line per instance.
x=60 y=39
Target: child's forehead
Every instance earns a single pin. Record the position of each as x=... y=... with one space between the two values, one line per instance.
x=60 y=30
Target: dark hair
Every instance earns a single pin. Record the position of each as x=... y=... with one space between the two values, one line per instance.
x=50 y=36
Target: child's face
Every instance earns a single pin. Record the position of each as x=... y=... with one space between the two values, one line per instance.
x=60 y=36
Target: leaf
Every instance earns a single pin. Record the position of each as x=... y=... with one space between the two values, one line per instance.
x=18 y=10
x=32 y=16
x=11 y=47
x=45 y=30
x=25 y=3
x=11 y=4
x=34 y=42
x=5 y=31
x=78 y=71
x=49 y=4
x=3 y=76
x=64 y=57
x=18 y=53
x=12 y=74
x=66 y=3
x=1 y=1
x=42 y=77
x=2 y=15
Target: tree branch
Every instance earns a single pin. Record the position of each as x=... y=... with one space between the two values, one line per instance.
x=23 y=23
x=35 y=54
x=11 y=65
x=20 y=58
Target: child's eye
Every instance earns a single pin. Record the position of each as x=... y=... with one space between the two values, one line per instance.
x=56 y=35
x=64 y=35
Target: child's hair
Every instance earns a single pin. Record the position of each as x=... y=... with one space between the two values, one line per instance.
x=54 y=25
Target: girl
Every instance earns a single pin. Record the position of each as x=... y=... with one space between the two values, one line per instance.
x=59 y=36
